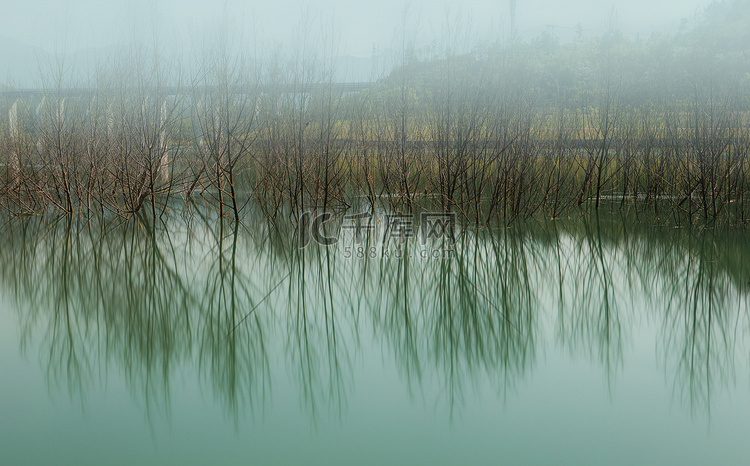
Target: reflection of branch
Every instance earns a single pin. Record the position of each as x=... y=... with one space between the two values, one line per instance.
x=696 y=328
x=594 y=320
x=244 y=318
x=315 y=326
x=150 y=298
x=448 y=318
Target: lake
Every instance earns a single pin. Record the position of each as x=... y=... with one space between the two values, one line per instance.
x=596 y=339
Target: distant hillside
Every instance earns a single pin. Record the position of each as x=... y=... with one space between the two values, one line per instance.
x=714 y=49
x=723 y=26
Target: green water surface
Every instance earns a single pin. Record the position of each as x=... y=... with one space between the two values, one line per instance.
x=594 y=340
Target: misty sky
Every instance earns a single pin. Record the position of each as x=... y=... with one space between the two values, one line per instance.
x=82 y=24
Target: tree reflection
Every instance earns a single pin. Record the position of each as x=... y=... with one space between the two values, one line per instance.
x=318 y=338
x=702 y=321
x=240 y=304
x=233 y=358
x=456 y=316
x=593 y=319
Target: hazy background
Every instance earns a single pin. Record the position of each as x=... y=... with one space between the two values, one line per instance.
x=32 y=31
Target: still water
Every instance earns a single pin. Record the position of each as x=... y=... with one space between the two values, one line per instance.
x=593 y=340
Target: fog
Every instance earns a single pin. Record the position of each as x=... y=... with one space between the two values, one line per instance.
x=532 y=206
x=33 y=31
x=499 y=112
